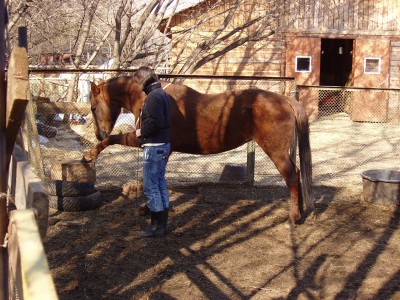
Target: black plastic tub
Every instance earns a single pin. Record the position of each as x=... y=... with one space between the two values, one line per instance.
x=381 y=186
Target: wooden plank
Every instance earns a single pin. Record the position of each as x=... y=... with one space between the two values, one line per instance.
x=31 y=267
x=3 y=251
x=316 y=23
x=17 y=96
x=341 y=18
x=394 y=70
x=3 y=164
x=64 y=107
x=355 y=14
x=384 y=15
x=30 y=193
x=32 y=139
x=346 y=15
x=14 y=121
x=14 y=275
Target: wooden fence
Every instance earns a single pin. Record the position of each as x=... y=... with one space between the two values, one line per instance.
x=23 y=213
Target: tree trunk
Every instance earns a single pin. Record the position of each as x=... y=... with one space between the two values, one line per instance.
x=80 y=45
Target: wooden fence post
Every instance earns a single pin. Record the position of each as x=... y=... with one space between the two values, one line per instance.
x=17 y=96
x=3 y=164
x=251 y=157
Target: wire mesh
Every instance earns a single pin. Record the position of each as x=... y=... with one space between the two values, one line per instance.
x=210 y=168
x=351 y=130
x=66 y=132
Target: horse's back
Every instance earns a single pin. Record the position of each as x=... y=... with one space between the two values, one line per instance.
x=212 y=123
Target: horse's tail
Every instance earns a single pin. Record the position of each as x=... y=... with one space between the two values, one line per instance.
x=303 y=132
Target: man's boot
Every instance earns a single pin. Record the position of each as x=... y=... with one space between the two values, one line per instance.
x=165 y=220
x=156 y=229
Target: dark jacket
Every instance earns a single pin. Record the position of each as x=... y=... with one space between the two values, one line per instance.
x=156 y=116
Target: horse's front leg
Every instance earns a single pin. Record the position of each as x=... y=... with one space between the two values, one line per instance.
x=127 y=139
x=95 y=151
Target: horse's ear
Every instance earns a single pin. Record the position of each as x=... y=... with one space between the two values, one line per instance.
x=94 y=88
x=101 y=81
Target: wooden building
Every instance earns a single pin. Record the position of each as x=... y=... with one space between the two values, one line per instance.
x=319 y=42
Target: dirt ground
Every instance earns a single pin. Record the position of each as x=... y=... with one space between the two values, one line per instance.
x=234 y=242
x=228 y=243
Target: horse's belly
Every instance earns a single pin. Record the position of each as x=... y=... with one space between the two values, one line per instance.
x=209 y=145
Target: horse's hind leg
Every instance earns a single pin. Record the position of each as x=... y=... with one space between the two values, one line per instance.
x=291 y=175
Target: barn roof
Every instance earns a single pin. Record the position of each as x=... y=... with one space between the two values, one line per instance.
x=171 y=10
x=182 y=5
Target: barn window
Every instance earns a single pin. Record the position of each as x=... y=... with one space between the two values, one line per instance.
x=303 y=64
x=372 y=65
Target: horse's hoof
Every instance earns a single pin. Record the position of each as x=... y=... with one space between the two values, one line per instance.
x=289 y=224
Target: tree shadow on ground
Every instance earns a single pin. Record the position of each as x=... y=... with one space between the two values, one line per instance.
x=97 y=254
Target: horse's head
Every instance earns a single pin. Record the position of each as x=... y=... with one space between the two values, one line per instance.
x=108 y=97
x=105 y=111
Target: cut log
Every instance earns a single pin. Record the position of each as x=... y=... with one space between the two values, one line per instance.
x=73 y=170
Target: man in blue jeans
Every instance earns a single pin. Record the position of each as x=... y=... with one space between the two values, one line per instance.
x=154 y=137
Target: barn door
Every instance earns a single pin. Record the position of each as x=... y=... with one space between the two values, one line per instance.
x=303 y=60
x=371 y=62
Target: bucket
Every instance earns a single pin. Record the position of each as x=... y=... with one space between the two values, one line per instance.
x=381 y=186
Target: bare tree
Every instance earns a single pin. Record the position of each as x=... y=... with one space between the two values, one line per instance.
x=80 y=43
x=140 y=36
x=133 y=37
x=128 y=31
x=18 y=10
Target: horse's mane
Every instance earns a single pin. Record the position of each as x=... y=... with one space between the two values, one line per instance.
x=182 y=87
x=123 y=78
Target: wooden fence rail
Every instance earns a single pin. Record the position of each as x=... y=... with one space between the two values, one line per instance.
x=29 y=274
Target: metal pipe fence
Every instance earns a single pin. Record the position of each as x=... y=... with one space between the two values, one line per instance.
x=351 y=130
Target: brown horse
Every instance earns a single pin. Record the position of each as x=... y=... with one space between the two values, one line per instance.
x=213 y=123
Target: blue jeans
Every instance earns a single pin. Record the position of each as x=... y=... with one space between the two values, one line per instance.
x=154 y=184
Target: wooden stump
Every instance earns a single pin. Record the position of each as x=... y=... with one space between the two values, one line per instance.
x=73 y=170
x=71 y=186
